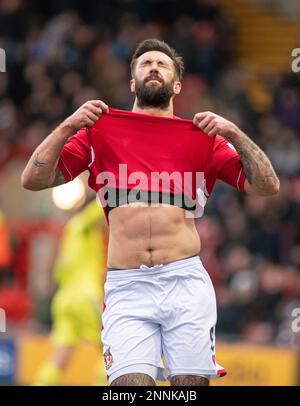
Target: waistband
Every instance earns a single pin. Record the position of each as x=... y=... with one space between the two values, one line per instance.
x=114 y=274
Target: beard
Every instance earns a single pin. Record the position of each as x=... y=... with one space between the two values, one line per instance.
x=150 y=94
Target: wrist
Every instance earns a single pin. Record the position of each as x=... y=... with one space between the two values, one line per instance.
x=67 y=128
x=233 y=133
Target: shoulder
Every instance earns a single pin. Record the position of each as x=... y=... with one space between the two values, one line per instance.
x=81 y=135
x=221 y=144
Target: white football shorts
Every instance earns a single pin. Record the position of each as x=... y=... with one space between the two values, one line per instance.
x=165 y=310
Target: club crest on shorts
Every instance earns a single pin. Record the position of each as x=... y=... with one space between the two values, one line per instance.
x=108 y=359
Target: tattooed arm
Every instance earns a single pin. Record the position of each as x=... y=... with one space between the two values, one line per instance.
x=261 y=177
x=42 y=171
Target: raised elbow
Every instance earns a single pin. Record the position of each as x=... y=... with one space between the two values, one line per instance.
x=25 y=182
x=269 y=187
x=29 y=184
x=276 y=187
x=273 y=188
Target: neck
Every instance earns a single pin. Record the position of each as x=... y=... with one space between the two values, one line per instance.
x=154 y=111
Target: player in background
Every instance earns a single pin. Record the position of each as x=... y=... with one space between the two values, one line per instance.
x=76 y=307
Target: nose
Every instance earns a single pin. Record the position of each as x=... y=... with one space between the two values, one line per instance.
x=154 y=69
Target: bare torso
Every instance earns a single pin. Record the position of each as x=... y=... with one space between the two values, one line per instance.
x=150 y=236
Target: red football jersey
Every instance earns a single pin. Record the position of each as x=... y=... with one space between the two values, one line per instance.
x=126 y=150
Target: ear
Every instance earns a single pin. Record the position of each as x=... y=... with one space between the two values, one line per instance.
x=132 y=86
x=177 y=87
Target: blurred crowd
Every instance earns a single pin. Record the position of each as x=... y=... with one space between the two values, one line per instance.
x=61 y=53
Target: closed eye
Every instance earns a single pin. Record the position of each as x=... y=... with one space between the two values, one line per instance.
x=159 y=63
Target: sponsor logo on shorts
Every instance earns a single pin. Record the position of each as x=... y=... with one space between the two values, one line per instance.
x=212 y=338
x=108 y=359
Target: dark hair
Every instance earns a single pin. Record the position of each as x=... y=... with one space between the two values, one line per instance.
x=154 y=44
